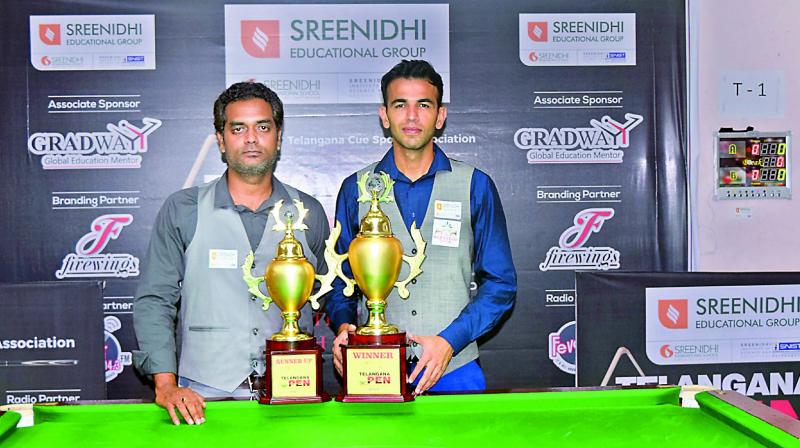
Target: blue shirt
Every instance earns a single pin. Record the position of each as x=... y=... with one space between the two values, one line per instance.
x=492 y=262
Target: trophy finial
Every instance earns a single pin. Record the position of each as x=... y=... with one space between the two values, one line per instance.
x=288 y=248
x=375 y=188
x=375 y=184
x=288 y=215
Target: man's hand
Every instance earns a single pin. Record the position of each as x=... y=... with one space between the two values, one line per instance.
x=341 y=338
x=171 y=397
x=436 y=355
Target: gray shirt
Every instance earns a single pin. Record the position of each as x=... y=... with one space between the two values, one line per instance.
x=155 y=307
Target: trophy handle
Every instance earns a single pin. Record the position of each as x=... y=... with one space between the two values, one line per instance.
x=414 y=263
x=253 y=282
x=334 y=262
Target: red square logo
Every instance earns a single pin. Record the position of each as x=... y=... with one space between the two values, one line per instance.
x=674 y=314
x=261 y=38
x=537 y=31
x=50 y=33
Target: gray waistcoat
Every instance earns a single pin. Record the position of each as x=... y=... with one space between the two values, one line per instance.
x=224 y=329
x=442 y=290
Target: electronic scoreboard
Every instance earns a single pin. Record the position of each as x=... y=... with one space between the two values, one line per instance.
x=752 y=165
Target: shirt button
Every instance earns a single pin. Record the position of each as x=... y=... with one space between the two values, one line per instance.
x=413 y=312
x=413 y=251
x=413 y=344
x=254 y=363
x=414 y=281
x=255 y=331
x=253 y=298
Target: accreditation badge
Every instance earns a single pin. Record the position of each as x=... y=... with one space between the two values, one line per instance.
x=446 y=232
x=223 y=259
x=447 y=210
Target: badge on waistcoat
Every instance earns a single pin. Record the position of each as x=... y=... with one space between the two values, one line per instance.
x=446 y=223
x=223 y=259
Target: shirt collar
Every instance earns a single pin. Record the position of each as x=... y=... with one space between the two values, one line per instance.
x=388 y=165
x=223 y=199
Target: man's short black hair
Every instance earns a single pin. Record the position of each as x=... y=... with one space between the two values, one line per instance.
x=414 y=69
x=247 y=91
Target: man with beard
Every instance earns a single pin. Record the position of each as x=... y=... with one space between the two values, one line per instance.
x=459 y=214
x=192 y=283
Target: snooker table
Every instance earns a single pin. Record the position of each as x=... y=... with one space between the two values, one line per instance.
x=650 y=417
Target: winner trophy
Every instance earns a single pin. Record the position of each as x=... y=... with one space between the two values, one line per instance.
x=374 y=359
x=293 y=358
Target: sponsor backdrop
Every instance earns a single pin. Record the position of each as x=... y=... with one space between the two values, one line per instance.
x=575 y=109
x=51 y=350
x=729 y=331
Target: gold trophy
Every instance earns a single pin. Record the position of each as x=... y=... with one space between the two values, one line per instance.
x=374 y=357
x=293 y=358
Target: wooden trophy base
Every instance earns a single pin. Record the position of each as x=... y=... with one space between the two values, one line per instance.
x=293 y=374
x=374 y=369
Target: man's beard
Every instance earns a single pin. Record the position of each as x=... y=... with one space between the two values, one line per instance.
x=255 y=170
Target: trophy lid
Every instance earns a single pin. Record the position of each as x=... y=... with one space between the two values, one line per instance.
x=375 y=222
x=289 y=247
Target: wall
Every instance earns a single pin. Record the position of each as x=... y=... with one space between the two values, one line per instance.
x=728 y=36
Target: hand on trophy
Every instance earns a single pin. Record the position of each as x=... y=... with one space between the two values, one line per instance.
x=341 y=338
x=436 y=355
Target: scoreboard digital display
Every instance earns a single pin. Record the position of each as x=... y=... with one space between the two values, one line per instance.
x=752 y=165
